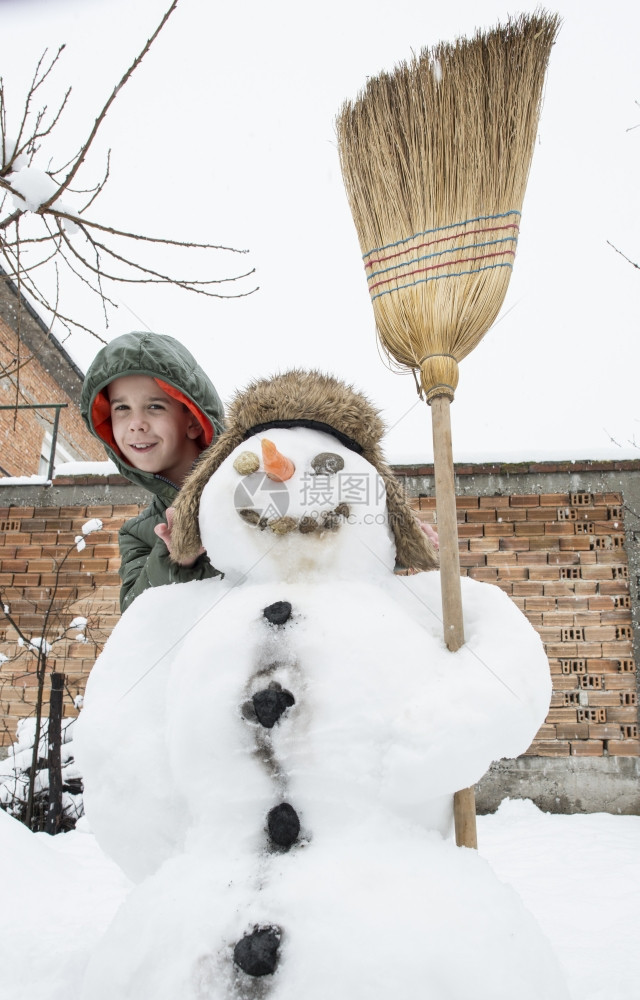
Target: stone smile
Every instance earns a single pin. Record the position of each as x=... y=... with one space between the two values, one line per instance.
x=326 y=520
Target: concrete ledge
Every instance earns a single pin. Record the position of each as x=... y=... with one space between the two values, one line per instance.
x=569 y=467
x=81 y=491
x=564 y=784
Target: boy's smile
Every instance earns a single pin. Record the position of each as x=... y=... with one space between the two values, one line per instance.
x=154 y=432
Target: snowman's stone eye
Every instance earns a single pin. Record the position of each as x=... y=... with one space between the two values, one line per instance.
x=246 y=463
x=327 y=463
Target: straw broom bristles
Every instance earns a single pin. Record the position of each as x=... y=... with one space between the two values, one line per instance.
x=435 y=158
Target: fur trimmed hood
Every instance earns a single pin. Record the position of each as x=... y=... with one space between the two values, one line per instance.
x=311 y=399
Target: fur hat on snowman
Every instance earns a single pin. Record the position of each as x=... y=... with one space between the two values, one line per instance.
x=302 y=399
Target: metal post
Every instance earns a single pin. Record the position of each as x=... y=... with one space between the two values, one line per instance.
x=54 y=812
x=54 y=439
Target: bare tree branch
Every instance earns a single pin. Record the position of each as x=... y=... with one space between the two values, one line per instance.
x=155 y=277
x=99 y=186
x=101 y=117
x=146 y=239
x=35 y=134
x=53 y=234
x=628 y=259
x=632 y=127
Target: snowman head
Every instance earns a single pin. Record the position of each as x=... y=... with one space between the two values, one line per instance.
x=346 y=426
x=296 y=504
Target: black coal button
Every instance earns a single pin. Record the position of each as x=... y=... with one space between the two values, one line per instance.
x=270 y=703
x=283 y=825
x=257 y=953
x=277 y=613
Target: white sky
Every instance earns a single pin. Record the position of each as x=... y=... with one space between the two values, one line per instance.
x=226 y=134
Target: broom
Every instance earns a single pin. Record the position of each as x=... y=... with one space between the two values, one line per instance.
x=435 y=158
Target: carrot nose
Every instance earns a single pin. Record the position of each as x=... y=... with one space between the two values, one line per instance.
x=276 y=466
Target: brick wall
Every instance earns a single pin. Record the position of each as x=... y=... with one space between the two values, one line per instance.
x=22 y=431
x=570 y=559
x=36 y=583
x=561 y=558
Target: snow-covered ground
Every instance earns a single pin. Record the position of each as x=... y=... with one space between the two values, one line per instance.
x=578 y=875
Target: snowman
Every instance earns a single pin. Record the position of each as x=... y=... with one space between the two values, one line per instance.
x=272 y=756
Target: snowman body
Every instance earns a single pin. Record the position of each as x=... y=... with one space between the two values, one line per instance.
x=300 y=730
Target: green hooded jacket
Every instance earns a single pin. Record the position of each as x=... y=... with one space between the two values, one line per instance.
x=145 y=558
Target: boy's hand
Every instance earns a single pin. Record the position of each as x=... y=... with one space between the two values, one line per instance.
x=163 y=531
x=430 y=532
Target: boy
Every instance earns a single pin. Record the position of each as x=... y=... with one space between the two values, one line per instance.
x=149 y=402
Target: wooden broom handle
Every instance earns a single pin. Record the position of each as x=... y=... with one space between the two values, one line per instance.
x=464 y=817
x=464 y=807
x=447 y=519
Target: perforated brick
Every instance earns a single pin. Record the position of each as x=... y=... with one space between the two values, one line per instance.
x=581 y=499
x=630 y=732
x=572 y=634
x=592 y=682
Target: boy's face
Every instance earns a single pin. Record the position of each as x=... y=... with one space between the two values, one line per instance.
x=154 y=432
